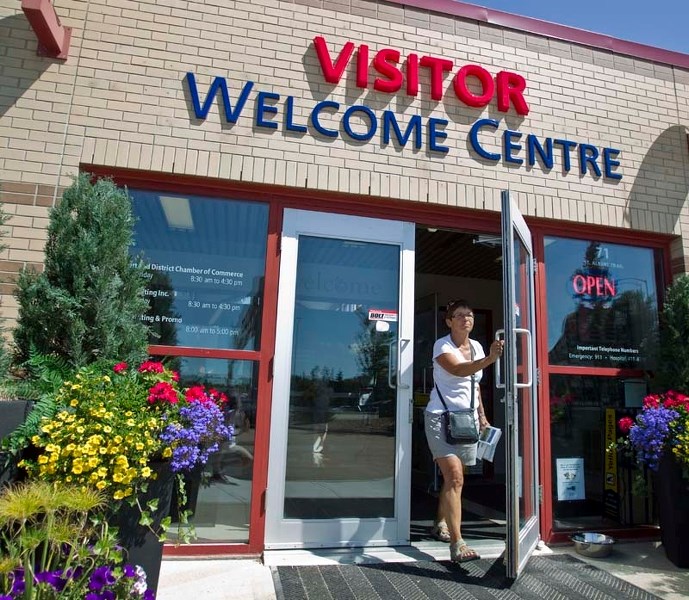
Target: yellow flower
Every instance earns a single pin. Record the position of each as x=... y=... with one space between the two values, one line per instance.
x=101 y=485
x=74 y=403
x=118 y=495
x=146 y=472
x=42 y=459
x=167 y=453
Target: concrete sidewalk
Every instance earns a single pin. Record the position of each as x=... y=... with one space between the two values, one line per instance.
x=641 y=563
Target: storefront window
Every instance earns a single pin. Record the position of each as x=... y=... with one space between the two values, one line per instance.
x=602 y=304
x=220 y=495
x=593 y=487
x=206 y=260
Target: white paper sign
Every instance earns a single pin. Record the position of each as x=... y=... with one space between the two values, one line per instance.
x=570 y=479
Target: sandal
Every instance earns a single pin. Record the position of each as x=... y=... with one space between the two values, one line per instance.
x=460 y=552
x=440 y=532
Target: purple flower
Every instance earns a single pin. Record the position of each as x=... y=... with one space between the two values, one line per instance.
x=149 y=595
x=129 y=570
x=54 y=579
x=196 y=436
x=18 y=583
x=648 y=436
x=101 y=577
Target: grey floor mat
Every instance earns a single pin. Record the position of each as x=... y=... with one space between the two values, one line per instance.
x=545 y=578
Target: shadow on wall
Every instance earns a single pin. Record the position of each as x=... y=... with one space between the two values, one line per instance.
x=20 y=66
x=664 y=173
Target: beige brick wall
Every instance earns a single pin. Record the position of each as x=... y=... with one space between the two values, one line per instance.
x=120 y=101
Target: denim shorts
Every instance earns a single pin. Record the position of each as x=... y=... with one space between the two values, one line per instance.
x=435 y=435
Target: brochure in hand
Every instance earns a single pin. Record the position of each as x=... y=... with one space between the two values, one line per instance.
x=487 y=442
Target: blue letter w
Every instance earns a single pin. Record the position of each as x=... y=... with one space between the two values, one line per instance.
x=201 y=112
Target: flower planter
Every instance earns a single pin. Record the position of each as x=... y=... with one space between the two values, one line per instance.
x=142 y=545
x=673 y=501
x=12 y=414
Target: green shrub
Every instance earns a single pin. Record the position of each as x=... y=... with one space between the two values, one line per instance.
x=87 y=303
x=673 y=366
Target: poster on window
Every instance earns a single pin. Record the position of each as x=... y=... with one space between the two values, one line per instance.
x=570 y=479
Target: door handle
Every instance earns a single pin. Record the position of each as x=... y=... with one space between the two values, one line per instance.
x=498 y=383
x=527 y=333
x=400 y=385
x=391 y=385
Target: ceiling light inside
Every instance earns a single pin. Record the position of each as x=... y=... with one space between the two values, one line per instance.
x=177 y=212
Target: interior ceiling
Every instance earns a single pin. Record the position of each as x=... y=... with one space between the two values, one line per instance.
x=456 y=254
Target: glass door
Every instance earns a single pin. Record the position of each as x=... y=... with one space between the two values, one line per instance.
x=342 y=397
x=519 y=384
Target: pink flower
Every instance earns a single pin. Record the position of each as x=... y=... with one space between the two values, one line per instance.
x=162 y=392
x=625 y=424
x=175 y=376
x=151 y=366
x=120 y=367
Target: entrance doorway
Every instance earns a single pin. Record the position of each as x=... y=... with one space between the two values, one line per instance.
x=450 y=265
x=347 y=449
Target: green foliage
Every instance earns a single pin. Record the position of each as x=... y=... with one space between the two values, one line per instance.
x=42 y=378
x=5 y=355
x=87 y=303
x=54 y=543
x=673 y=367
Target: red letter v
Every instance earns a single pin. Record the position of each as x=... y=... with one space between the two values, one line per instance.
x=332 y=73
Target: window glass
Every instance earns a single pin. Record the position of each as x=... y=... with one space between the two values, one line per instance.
x=219 y=495
x=602 y=304
x=206 y=261
x=592 y=488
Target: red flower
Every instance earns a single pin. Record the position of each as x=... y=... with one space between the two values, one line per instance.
x=674 y=399
x=175 y=376
x=625 y=424
x=196 y=393
x=216 y=396
x=162 y=392
x=120 y=367
x=151 y=366
x=652 y=401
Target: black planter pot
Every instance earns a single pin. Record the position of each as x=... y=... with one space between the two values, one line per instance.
x=673 y=507
x=12 y=414
x=142 y=545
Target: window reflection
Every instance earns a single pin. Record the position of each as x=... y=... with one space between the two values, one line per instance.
x=220 y=493
x=206 y=260
x=341 y=439
x=592 y=488
x=602 y=304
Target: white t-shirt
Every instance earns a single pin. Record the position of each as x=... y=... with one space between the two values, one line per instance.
x=455 y=390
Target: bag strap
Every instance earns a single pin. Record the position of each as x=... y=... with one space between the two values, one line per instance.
x=473 y=380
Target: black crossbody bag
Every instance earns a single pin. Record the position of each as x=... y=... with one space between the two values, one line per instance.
x=460 y=424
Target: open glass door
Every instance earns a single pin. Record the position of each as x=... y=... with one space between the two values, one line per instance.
x=519 y=384
x=339 y=466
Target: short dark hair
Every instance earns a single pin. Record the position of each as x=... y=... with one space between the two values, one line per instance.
x=453 y=305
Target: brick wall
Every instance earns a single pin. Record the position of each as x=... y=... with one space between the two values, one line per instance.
x=120 y=101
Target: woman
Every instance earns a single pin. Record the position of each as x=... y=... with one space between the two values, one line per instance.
x=457 y=362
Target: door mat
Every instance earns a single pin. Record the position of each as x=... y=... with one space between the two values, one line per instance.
x=545 y=577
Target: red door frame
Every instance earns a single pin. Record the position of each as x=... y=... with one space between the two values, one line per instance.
x=433 y=215
x=541 y=228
